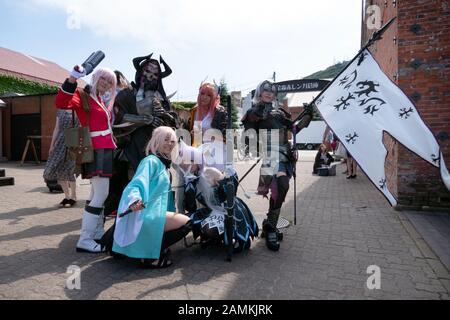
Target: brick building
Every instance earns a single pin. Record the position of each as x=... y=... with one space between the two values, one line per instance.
x=415 y=54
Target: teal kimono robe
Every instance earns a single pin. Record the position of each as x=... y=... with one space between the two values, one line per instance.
x=139 y=234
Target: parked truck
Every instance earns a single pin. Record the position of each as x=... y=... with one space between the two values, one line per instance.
x=311 y=137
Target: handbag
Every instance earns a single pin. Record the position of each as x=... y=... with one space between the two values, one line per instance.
x=78 y=140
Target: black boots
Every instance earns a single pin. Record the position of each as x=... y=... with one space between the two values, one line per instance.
x=271 y=235
x=173 y=236
x=279 y=233
x=270 y=231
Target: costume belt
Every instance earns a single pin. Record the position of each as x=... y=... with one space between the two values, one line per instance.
x=100 y=133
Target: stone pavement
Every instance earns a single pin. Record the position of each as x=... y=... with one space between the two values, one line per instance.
x=343 y=227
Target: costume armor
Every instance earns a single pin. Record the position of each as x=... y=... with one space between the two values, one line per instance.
x=272 y=125
x=138 y=110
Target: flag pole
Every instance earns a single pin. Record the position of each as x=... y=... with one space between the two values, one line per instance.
x=377 y=35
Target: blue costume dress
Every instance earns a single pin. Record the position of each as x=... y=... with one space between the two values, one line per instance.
x=139 y=234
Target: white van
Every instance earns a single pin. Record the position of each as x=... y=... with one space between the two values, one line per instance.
x=311 y=137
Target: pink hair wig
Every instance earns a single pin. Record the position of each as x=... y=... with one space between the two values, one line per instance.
x=109 y=75
x=211 y=90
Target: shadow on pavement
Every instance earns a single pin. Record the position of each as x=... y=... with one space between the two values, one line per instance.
x=17 y=215
x=38 y=231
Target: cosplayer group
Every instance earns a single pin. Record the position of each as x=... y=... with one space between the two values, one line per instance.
x=132 y=127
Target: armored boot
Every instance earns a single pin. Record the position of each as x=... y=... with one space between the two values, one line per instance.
x=100 y=228
x=270 y=230
x=279 y=233
x=86 y=243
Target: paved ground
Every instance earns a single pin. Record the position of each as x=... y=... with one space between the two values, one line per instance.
x=435 y=229
x=343 y=226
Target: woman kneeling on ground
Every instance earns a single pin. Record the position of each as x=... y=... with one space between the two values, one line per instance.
x=152 y=227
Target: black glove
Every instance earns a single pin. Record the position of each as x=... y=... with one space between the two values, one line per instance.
x=158 y=110
x=157 y=122
x=145 y=119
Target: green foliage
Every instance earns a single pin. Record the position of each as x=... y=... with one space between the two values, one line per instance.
x=223 y=99
x=183 y=105
x=330 y=72
x=10 y=84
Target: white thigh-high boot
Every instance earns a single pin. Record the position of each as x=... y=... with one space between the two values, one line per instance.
x=100 y=230
x=100 y=189
x=86 y=243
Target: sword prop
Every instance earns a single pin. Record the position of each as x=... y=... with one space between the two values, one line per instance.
x=129 y=210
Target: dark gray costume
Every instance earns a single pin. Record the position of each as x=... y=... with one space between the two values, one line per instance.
x=138 y=110
x=277 y=156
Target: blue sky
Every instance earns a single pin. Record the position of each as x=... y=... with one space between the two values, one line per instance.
x=243 y=42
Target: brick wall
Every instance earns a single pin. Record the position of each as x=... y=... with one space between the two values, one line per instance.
x=420 y=182
x=415 y=53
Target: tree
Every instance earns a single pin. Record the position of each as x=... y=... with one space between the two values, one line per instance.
x=223 y=101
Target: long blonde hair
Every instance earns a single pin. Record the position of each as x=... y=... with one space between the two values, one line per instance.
x=158 y=138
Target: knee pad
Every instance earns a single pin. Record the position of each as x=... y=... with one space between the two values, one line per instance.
x=93 y=210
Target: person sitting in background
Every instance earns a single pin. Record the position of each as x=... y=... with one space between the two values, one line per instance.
x=322 y=158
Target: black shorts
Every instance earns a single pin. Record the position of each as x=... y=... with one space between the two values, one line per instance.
x=102 y=165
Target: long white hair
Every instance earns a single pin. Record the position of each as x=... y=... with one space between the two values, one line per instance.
x=158 y=138
x=206 y=183
x=109 y=75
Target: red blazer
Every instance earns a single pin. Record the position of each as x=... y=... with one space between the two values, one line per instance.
x=100 y=116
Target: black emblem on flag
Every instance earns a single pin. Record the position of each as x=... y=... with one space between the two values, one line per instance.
x=367 y=87
x=405 y=113
x=351 y=138
x=434 y=158
x=371 y=108
x=344 y=102
x=382 y=183
x=346 y=79
x=319 y=101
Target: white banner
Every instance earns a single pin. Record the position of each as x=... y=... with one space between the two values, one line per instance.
x=363 y=102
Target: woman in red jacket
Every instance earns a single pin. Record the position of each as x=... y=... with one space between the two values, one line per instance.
x=103 y=81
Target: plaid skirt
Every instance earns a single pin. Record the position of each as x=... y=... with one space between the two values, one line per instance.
x=102 y=165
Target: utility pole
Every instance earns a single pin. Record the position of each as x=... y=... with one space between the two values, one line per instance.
x=274 y=77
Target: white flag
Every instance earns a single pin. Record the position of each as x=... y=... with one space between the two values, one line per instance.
x=363 y=102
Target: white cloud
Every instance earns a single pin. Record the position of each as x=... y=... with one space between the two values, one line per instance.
x=186 y=23
x=241 y=40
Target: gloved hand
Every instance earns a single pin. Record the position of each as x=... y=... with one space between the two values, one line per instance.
x=148 y=119
x=78 y=72
x=158 y=110
x=145 y=119
x=157 y=122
